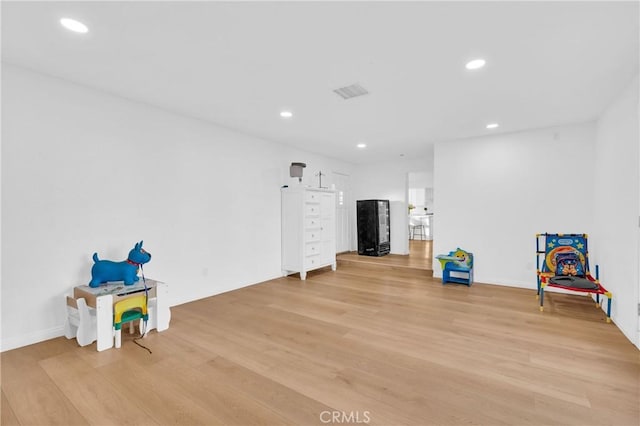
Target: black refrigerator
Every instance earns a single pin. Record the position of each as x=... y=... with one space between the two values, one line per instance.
x=374 y=230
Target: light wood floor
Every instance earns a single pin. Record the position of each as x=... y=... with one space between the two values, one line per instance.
x=377 y=345
x=420 y=257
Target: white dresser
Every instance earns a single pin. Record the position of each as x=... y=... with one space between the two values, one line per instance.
x=308 y=230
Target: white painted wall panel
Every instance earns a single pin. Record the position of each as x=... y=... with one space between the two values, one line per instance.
x=616 y=202
x=495 y=193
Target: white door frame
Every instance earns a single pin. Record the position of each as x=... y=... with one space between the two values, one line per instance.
x=342 y=182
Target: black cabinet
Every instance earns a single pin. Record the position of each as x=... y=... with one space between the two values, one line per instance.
x=374 y=231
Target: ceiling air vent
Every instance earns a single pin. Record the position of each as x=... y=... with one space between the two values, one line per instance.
x=352 y=91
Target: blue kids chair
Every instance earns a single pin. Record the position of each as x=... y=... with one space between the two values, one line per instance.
x=459 y=262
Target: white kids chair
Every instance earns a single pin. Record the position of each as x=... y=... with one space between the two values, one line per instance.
x=81 y=322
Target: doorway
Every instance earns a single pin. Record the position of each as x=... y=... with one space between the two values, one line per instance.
x=421 y=215
x=343 y=200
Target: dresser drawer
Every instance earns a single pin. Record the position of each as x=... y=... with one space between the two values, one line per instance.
x=311 y=223
x=311 y=197
x=311 y=210
x=311 y=249
x=310 y=262
x=311 y=235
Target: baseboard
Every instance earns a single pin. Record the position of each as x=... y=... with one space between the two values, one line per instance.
x=31 y=338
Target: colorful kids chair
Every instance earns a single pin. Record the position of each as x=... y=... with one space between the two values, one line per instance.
x=127 y=311
x=562 y=261
x=457 y=267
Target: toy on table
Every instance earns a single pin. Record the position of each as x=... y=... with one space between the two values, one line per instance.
x=104 y=271
x=459 y=262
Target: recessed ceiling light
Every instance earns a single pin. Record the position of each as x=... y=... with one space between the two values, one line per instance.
x=492 y=125
x=362 y=145
x=286 y=114
x=73 y=25
x=475 y=64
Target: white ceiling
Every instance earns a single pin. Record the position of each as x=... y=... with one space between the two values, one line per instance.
x=238 y=64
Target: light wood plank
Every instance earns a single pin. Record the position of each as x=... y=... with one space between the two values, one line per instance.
x=7 y=416
x=96 y=399
x=34 y=397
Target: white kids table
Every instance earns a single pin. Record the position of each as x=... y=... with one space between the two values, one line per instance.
x=103 y=297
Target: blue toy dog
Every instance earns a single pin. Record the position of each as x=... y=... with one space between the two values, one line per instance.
x=104 y=271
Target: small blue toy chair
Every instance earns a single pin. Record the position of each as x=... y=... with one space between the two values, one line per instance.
x=458 y=262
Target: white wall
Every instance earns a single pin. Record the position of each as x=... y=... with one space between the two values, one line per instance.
x=388 y=181
x=495 y=193
x=422 y=179
x=85 y=172
x=616 y=203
